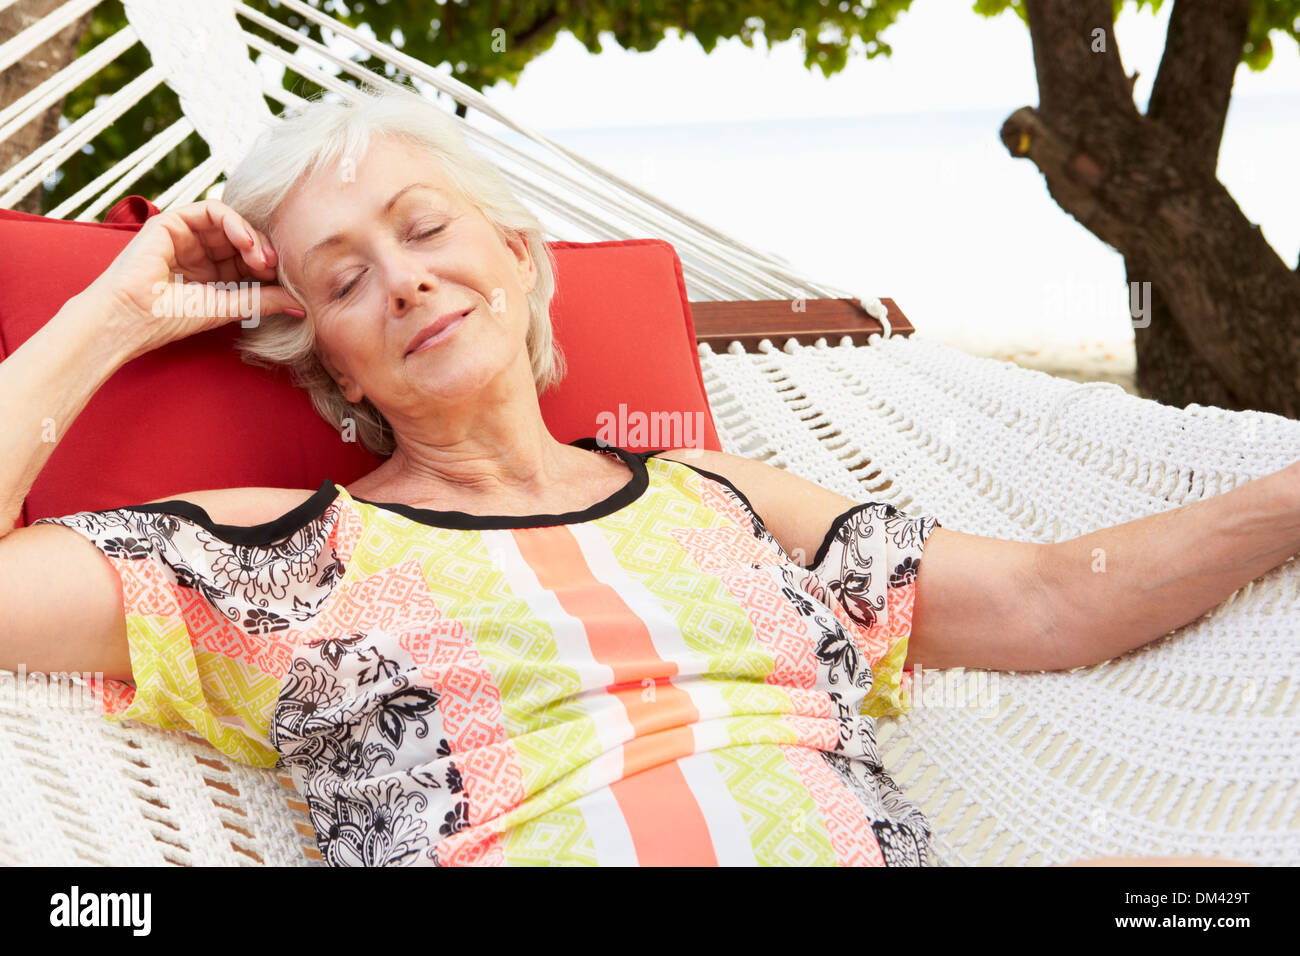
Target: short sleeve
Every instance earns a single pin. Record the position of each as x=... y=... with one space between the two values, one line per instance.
x=868 y=564
x=210 y=624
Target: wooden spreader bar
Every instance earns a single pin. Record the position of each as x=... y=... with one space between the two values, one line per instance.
x=749 y=322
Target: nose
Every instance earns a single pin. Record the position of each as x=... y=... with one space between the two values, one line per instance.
x=410 y=286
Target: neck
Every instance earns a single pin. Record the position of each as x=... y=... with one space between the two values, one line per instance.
x=493 y=446
x=488 y=463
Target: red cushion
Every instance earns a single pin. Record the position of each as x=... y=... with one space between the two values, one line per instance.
x=192 y=416
x=621 y=315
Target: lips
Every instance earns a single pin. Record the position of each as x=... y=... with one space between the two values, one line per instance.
x=433 y=329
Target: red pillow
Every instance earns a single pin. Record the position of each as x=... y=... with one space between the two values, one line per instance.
x=621 y=316
x=192 y=415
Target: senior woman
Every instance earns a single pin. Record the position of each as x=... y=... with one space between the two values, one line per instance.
x=496 y=647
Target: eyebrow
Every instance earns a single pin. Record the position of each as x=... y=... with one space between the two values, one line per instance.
x=339 y=237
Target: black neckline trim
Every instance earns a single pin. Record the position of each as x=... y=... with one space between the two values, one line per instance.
x=277 y=529
x=461 y=520
x=258 y=535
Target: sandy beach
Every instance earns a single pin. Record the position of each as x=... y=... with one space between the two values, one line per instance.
x=1088 y=361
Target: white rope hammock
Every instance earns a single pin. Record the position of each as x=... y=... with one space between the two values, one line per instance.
x=1188 y=745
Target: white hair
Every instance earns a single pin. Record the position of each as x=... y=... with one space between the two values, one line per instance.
x=323 y=132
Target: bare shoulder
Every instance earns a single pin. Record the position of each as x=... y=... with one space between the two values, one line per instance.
x=243 y=507
x=797 y=512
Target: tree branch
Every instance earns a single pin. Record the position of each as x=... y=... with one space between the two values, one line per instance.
x=1122 y=178
x=1194 y=84
x=544 y=24
x=1074 y=177
x=1072 y=76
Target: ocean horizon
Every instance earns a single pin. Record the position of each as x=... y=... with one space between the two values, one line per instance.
x=930 y=209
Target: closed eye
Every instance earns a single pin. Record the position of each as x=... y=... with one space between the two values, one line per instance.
x=343 y=293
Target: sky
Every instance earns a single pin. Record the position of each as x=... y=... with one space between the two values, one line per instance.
x=946 y=57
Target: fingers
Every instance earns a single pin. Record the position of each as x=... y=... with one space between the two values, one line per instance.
x=217 y=240
x=254 y=246
x=274 y=299
x=213 y=242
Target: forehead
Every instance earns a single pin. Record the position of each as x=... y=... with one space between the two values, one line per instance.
x=336 y=196
x=372 y=176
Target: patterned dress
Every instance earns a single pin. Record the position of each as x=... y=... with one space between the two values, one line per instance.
x=651 y=680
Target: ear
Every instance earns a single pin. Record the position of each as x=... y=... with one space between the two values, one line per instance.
x=524 y=260
x=351 y=391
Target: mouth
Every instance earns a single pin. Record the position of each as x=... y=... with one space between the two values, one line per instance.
x=432 y=334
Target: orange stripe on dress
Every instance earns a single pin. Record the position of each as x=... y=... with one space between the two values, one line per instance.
x=616 y=635
x=663 y=817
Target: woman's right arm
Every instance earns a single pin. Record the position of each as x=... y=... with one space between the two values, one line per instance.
x=60 y=600
x=44 y=386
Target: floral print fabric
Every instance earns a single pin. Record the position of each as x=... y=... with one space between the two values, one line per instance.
x=651 y=681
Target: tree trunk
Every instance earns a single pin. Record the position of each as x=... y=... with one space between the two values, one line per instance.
x=1224 y=308
x=43 y=62
x=1169 y=367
